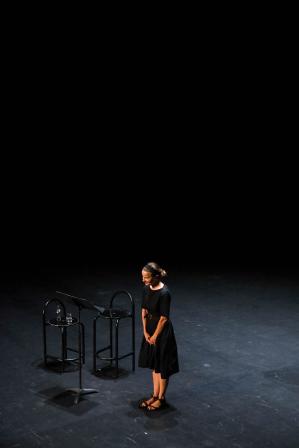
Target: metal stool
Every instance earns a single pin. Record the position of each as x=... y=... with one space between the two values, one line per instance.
x=115 y=316
x=63 y=329
x=62 y=324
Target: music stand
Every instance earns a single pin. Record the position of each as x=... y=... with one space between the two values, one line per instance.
x=81 y=303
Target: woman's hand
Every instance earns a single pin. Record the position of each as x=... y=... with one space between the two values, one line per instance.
x=147 y=336
x=152 y=339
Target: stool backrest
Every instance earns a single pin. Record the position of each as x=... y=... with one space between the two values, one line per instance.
x=127 y=294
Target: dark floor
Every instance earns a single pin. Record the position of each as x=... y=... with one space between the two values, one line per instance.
x=238 y=340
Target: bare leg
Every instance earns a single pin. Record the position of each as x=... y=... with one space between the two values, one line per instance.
x=156 y=390
x=163 y=383
x=162 y=387
x=157 y=384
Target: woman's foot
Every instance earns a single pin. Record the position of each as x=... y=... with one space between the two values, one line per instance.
x=143 y=404
x=156 y=405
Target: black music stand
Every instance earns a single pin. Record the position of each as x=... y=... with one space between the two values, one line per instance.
x=82 y=303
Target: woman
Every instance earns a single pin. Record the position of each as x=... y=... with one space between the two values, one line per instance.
x=158 y=348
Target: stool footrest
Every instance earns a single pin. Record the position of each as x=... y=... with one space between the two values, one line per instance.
x=65 y=359
x=103 y=349
x=72 y=350
x=104 y=358
x=124 y=356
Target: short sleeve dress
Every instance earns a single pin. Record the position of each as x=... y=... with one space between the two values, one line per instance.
x=163 y=356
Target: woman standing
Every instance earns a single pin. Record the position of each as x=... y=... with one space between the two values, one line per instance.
x=158 y=350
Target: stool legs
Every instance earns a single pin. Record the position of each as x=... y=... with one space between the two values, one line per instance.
x=133 y=344
x=83 y=344
x=94 y=345
x=80 y=335
x=111 y=342
x=63 y=349
x=113 y=346
x=116 y=347
x=45 y=342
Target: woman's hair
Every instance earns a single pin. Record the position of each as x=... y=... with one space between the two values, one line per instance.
x=154 y=269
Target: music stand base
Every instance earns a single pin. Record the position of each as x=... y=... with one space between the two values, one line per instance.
x=79 y=392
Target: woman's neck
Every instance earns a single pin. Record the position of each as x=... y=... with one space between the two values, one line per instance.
x=158 y=286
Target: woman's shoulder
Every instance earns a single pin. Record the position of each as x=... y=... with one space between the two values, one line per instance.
x=165 y=290
x=146 y=290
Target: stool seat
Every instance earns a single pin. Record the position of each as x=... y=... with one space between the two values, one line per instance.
x=112 y=313
x=62 y=322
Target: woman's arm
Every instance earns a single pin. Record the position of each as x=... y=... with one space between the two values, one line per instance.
x=144 y=312
x=161 y=323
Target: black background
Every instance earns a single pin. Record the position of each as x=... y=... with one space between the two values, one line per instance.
x=183 y=208
x=176 y=148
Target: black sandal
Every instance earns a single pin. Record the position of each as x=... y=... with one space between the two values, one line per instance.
x=143 y=403
x=151 y=407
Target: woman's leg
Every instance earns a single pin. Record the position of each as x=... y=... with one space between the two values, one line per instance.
x=161 y=389
x=156 y=388
x=156 y=382
x=163 y=383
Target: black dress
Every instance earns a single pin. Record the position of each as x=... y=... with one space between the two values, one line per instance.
x=161 y=357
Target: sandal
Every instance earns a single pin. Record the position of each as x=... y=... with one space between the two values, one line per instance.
x=162 y=405
x=145 y=402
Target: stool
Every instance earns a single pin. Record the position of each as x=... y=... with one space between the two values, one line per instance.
x=63 y=329
x=115 y=316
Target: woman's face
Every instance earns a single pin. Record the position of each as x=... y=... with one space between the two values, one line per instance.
x=147 y=277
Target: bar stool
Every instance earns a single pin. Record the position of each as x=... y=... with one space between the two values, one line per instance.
x=115 y=315
x=62 y=324
x=63 y=330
